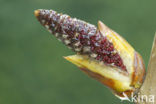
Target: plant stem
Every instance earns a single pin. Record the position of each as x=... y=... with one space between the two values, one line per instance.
x=149 y=86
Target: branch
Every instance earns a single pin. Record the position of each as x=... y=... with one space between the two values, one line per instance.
x=149 y=87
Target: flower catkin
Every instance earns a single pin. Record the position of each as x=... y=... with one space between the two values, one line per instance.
x=101 y=53
x=81 y=37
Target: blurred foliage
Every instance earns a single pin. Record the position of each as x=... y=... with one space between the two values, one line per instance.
x=32 y=70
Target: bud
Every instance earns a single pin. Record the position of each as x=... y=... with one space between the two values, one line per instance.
x=100 y=52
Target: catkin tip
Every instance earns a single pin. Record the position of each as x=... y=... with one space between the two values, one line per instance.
x=36 y=13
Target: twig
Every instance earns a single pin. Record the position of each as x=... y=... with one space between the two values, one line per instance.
x=149 y=87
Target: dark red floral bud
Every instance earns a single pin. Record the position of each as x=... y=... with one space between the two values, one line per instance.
x=81 y=37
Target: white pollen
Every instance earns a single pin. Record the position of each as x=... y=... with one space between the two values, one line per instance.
x=93 y=55
x=86 y=49
x=112 y=64
x=47 y=26
x=55 y=28
x=74 y=19
x=77 y=49
x=66 y=42
x=61 y=17
x=64 y=36
x=50 y=31
x=56 y=34
x=110 y=40
x=114 y=52
x=77 y=25
x=59 y=39
x=69 y=47
x=65 y=16
x=77 y=34
x=43 y=21
x=77 y=44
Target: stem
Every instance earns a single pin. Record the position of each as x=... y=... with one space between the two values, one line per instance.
x=149 y=86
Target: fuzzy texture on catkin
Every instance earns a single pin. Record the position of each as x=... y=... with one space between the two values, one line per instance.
x=81 y=37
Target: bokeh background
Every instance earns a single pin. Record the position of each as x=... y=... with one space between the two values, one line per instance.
x=32 y=70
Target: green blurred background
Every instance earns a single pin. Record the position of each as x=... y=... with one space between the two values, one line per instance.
x=32 y=70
